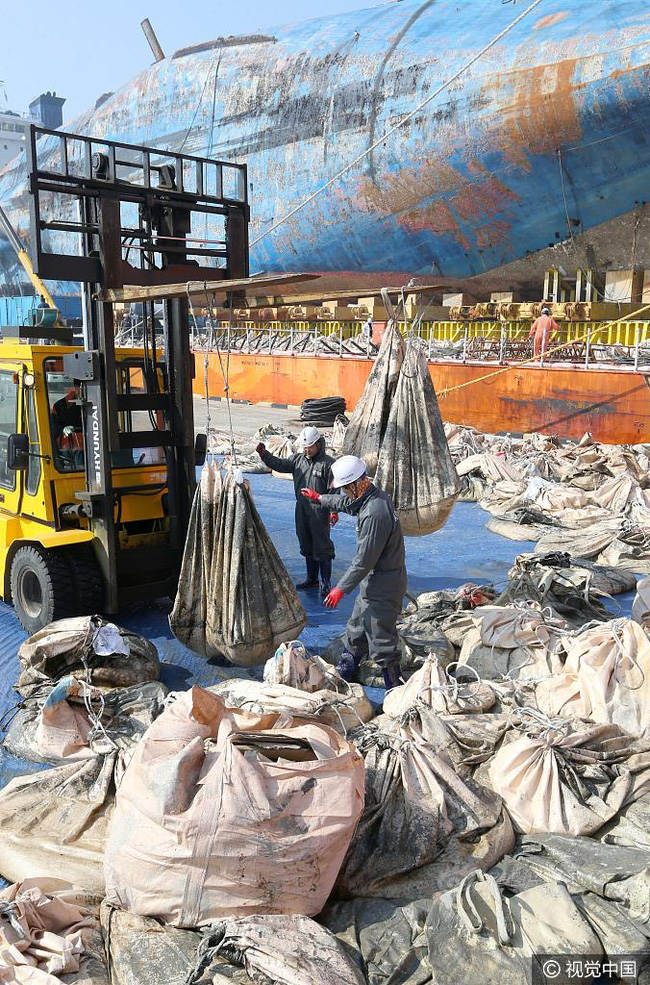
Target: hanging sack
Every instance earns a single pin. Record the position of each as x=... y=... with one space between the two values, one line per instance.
x=365 y=431
x=235 y=597
x=415 y=466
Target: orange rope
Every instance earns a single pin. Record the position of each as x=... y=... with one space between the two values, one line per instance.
x=532 y=359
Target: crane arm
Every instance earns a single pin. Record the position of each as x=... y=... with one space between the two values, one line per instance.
x=24 y=259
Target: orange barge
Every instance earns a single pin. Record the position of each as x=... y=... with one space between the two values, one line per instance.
x=613 y=402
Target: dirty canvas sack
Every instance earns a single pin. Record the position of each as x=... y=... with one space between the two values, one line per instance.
x=365 y=431
x=513 y=641
x=385 y=938
x=475 y=934
x=276 y=950
x=342 y=711
x=47 y=936
x=76 y=721
x=423 y=826
x=549 y=580
x=91 y=648
x=187 y=843
x=282 y=447
x=56 y=822
x=143 y=951
x=293 y=666
x=235 y=597
x=415 y=466
x=606 y=678
x=567 y=778
x=440 y=690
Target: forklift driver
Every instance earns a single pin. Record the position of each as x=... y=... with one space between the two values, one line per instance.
x=67 y=431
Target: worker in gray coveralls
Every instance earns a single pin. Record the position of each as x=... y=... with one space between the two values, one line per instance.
x=379 y=568
x=311 y=467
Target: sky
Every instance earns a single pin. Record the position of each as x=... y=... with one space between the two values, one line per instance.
x=82 y=49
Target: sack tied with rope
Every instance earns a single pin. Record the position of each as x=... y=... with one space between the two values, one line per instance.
x=566 y=777
x=73 y=720
x=90 y=647
x=605 y=679
x=512 y=641
x=440 y=690
x=476 y=934
x=423 y=826
x=235 y=598
x=299 y=685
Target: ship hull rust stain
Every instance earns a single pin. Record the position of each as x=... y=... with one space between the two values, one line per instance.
x=470 y=183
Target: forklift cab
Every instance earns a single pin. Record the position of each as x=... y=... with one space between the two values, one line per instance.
x=48 y=561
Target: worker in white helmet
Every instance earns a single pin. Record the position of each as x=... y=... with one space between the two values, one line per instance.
x=311 y=467
x=378 y=568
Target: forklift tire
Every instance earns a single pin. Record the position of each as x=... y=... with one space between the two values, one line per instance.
x=87 y=581
x=42 y=589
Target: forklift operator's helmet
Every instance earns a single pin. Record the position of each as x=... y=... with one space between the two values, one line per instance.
x=309 y=436
x=347 y=469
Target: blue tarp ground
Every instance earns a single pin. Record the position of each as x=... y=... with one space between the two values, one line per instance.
x=462 y=551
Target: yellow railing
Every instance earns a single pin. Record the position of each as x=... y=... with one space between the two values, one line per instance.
x=599 y=333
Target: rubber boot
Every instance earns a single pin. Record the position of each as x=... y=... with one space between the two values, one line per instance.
x=325 y=576
x=391 y=674
x=312 y=575
x=347 y=665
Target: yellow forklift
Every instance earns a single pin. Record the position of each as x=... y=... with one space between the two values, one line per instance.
x=97 y=450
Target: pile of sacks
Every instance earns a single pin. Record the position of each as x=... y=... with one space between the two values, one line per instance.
x=278 y=831
x=588 y=499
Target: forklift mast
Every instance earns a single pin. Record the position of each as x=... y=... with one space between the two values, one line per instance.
x=112 y=215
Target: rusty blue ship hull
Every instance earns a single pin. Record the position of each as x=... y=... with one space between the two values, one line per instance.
x=538 y=151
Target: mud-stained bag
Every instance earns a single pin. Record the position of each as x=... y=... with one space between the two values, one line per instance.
x=235 y=597
x=565 y=778
x=293 y=666
x=415 y=466
x=641 y=604
x=606 y=678
x=55 y=822
x=286 y=950
x=368 y=422
x=437 y=688
x=46 y=936
x=91 y=648
x=341 y=711
x=143 y=951
x=222 y=813
x=423 y=825
x=477 y=935
x=77 y=721
x=281 y=447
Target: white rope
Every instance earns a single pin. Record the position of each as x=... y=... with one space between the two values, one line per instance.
x=617 y=625
x=399 y=124
x=95 y=717
x=536 y=724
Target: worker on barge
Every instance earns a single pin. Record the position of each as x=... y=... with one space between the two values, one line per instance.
x=378 y=568
x=542 y=331
x=311 y=467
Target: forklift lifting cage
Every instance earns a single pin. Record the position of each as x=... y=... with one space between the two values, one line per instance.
x=98 y=515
